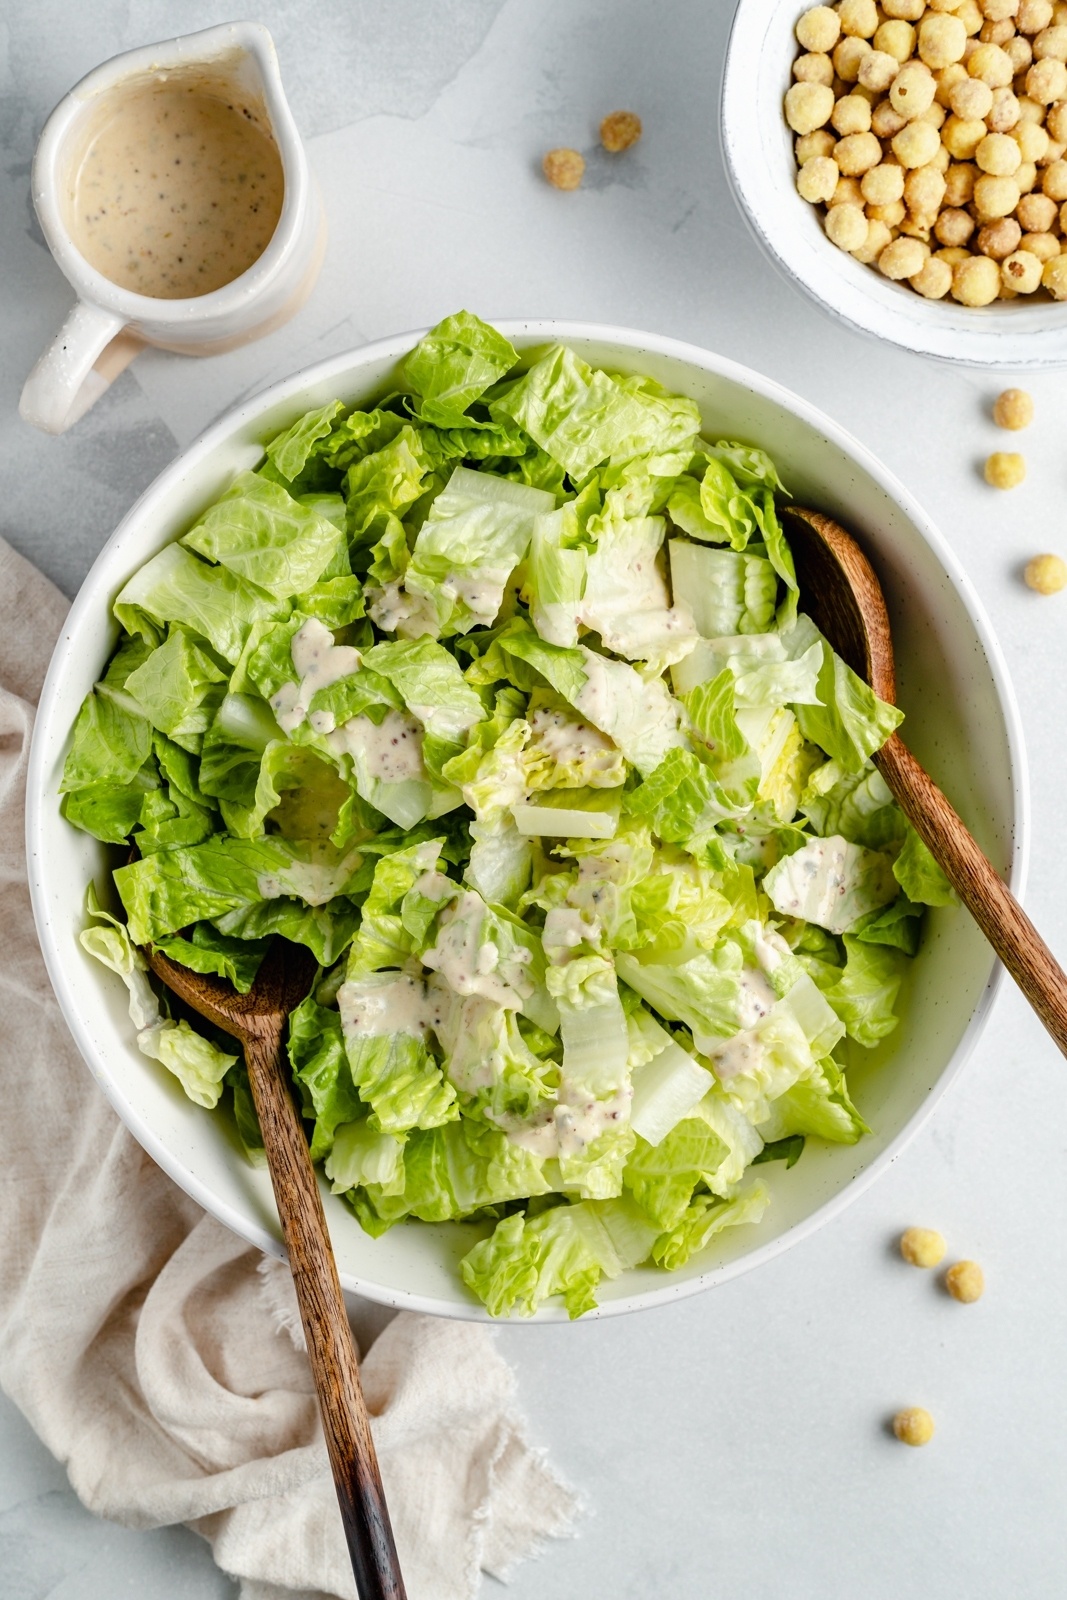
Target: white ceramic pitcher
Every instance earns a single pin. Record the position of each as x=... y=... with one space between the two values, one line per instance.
x=109 y=324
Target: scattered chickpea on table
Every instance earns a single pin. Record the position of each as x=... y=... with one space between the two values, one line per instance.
x=940 y=127
x=922 y=1247
x=565 y=168
x=1013 y=409
x=913 y=1426
x=1005 y=469
x=1046 y=574
x=965 y=1282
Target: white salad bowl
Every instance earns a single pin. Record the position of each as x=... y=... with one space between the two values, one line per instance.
x=758 y=149
x=961 y=722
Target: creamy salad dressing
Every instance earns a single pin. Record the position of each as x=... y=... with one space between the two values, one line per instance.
x=318 y=662
x=391 y=751
x=567 y=1126
x=402 y=1005
x=757 y=997
x=831 y=882
x=394 y=610
x=566 y=928
x=460 y=956
x=742 y=1053
x=178 y=192
x=482 y=595
x=315 y=881
x=569 y=742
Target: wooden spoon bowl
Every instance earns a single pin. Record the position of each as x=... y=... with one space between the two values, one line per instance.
x=841 y=593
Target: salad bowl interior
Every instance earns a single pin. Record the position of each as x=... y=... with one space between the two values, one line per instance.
x=960 y=721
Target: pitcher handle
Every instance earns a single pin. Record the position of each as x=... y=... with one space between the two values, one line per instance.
x=71 y=376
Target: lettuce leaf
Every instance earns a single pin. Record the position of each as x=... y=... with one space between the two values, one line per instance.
x=453 y=365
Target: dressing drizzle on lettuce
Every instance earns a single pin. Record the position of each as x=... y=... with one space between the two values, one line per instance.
x=496 y=697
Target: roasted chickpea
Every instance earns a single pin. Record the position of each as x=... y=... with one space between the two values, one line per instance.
x=878 y=236
x=846 y=226
x=962 y=138
x=1004 y=113
x=847 y=57
x=912 y=90
x=934 y=280
x=1051 y=44
x=1013 y=409
x=621 y=129
x=971 y=100
x=915 y=145
x=1033 y=15
x=847 y=193
x=851 y=114
x=1045 y=246
x=924 y=190
x=990 y=63
x=859 y=152
x=922 y=1247
x=817 y=180
x=859 y=18
x=954 y=227
x=999 y=154
x=1054 y=182
x=892 y=213
x=903 y=258
x=885 y=122
x=1036 y=213
x=941 y=40
x=995 y=195
x=999 y=239
x=959 y=183
x=1046 y=574
x=883 y=184
x=819 y=28
x=1020 y=53
x=914 y=1426
x=1033 y=141
x=1046 y=82
x=819 y=143
x=976 y=281
x=965 y=1280
x=1054 y=277
x=564 y=168
x=877 y=71
x=1022 y=271
x=896 y=39
x=1004 y=469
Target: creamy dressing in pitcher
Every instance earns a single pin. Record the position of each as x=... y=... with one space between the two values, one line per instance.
x=178 y=192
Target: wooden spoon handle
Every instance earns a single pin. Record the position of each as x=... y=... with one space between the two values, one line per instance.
x=972 y=875
x=331 y=1349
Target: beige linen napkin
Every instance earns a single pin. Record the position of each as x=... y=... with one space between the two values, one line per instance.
x=159 y=1357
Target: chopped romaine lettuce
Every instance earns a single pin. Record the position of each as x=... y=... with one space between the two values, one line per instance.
x=495 y=696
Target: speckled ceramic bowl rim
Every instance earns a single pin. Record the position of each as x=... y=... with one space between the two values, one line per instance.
x=343 y=368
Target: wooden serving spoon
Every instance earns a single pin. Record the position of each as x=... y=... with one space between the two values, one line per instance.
x=257 y=1021
x=844 y=599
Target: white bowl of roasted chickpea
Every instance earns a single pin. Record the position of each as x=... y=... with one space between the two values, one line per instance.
x=905 y=163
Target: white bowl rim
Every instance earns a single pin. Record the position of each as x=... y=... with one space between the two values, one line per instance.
x=1013 y=337
x=539 y=330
